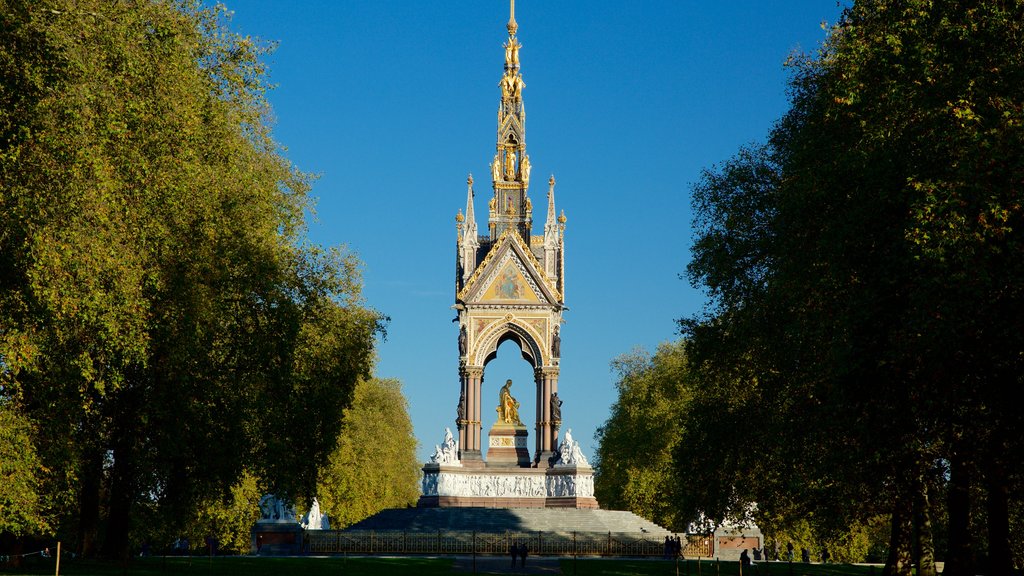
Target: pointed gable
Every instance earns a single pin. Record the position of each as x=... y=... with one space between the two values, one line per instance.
x=509 y=273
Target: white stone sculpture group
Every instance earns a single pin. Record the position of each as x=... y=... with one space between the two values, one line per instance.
x=274 y=510
x=569 y=453
x=448 y=451
x=508 y=485
x=315 y=519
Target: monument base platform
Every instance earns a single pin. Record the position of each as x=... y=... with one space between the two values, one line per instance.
x=504 y=487
x=276 y=538
x=506 y=520
x=506 y=446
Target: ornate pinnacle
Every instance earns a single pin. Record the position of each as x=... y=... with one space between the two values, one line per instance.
x=562 y=218
x=512 y=26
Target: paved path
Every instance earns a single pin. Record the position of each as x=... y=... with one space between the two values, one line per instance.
x=503 y=565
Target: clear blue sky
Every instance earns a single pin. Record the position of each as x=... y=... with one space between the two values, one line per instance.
x=394 y=102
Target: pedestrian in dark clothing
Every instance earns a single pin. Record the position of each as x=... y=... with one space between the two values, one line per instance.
x=824 y=555
x=514 y=551
x=789 y=551
x=805 y=555
x=745 y=558
x=523 y=551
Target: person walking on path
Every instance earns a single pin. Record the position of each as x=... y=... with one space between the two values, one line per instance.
x=523 y=551
x=514 y=551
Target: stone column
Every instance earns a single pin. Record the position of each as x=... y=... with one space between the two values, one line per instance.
x=552 y=437
x=547 y=383
x=539 y=384
x=472 y=376
x=478 y=381
x=463 y=422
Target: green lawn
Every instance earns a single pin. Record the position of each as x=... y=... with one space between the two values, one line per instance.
x=254 y=566
x=245 y=566
x=707 y=568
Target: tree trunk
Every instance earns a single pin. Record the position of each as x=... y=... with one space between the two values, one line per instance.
x=1000 y=559
x=898 y=563
x=923 y=529
x=122 y=495
x=959 y=558
x=89 y=502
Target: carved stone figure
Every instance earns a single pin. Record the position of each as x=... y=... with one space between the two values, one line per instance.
x=274 y=509
x=462 y=341
x=556 y=344
x=496 y=169
x=556 y=410
x=315 y=519
x=460 y=411
x=525 y=168
x=267 y=505
x=448 y=451
x=508 y=407
x=569 y=453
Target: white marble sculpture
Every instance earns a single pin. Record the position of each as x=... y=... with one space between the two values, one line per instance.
x=315 y=519
x=508 y=485
x=274 y=509
x=569 y=453
x=448 y=451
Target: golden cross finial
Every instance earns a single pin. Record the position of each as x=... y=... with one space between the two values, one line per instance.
x=512 y=26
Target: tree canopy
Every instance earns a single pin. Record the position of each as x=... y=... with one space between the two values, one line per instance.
x=164 y=324
x=374 y=465
x=864 y=266
x=861 y=356
x=635 y=445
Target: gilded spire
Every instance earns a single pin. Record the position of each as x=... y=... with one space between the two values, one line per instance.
x=510 y=167
x=512 y=26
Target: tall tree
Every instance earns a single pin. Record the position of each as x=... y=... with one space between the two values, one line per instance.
x=872 y=277
x=633 y=468
x=374 y=465
x=162 y=318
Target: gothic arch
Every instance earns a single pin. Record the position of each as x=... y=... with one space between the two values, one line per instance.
x=495 y=336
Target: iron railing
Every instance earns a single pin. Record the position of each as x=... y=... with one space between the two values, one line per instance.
x=459 y=543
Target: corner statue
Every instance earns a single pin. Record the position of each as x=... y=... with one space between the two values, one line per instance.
x=508 y=407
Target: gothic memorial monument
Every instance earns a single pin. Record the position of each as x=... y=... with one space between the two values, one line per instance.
x=510 y=285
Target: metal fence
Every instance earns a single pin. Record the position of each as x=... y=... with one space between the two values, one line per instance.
x=538 y=543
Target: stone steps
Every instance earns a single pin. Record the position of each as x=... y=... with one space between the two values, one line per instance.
x=500 y=520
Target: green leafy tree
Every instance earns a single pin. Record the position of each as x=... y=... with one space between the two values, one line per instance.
x=865 y=272
x=374 y=465
x=162 y=318
x=633 y=468
x=21 y=508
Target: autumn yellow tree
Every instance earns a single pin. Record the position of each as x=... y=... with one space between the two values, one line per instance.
x=374 y=465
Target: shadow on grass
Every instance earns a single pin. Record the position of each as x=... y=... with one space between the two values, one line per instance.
x=596 y=567
x=242 y=566
x=335 y=566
